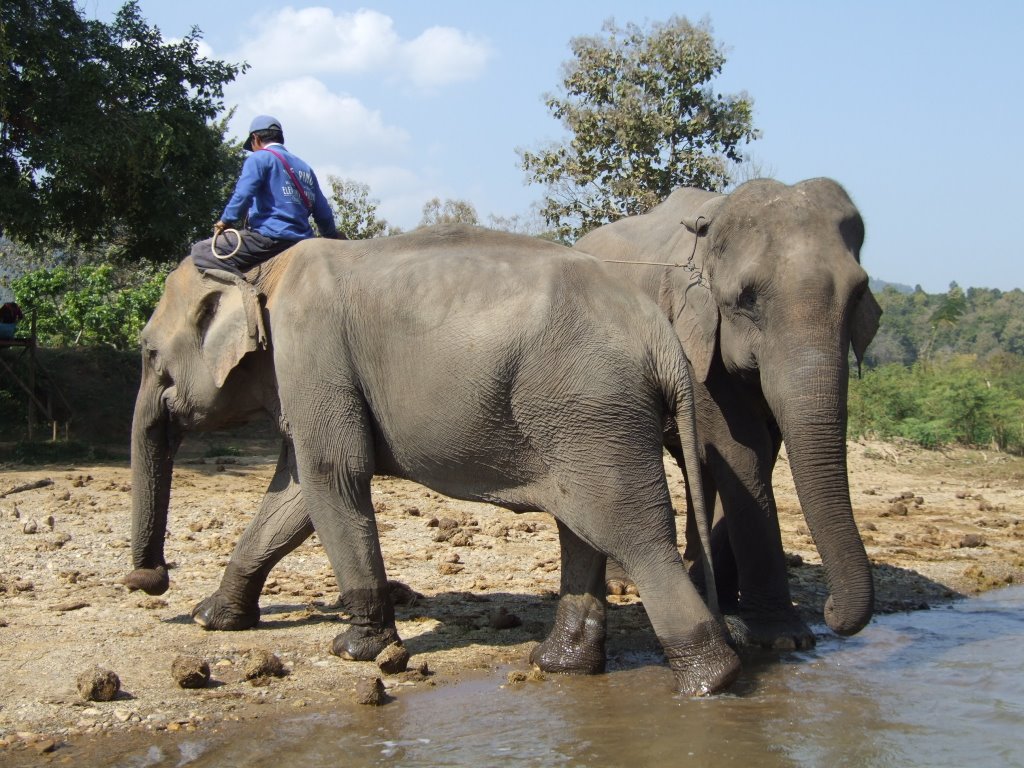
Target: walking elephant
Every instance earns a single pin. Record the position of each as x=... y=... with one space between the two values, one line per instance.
x=765 y=289
x=486 y=366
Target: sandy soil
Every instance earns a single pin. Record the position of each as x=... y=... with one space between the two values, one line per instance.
x=936 y=524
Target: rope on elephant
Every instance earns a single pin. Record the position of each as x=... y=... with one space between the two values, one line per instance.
x=213 y=243
x=645 y=263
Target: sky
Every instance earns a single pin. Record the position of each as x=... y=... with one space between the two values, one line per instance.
x=916 y=107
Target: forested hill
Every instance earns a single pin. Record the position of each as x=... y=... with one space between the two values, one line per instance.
x=979 y=321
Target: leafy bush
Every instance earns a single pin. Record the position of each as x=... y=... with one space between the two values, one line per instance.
x=90 y=305
x=952 y=400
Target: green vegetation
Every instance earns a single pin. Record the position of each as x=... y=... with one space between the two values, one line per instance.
x=90 y=305
x=958 y=399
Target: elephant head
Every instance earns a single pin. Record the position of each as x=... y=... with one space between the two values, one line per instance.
x=781 y=300
x=205 y=364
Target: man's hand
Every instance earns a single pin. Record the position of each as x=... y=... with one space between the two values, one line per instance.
x=219 y=227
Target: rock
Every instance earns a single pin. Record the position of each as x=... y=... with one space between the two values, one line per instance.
x=462 y=539
x=190 y=671
x=450 y=569
x=500 y=618
x=972 y=540
x=452 y=558
x=30 y=527
x=446 y=523
x=393 y=659
x=262 y=663
x=98 y=684
x=516 y=676
x=370 y=692
x=498 y=531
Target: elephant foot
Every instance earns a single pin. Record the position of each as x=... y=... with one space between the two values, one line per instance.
x=623 y=586
x=703 y=664
x=218 y=613
x=783 y=631
x=576 y=642
x=152 y=581
x=616 y=582
x=363 y=643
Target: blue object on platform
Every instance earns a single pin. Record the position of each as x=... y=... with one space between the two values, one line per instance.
x=7 y=330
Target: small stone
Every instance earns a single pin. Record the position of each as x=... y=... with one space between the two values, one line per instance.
x=446 y=523
x=30 y=527
x=370 y=692
x=393 y=659
x=50 y=522
x=262 y=663
x=898 y=509
x=516 y=676
x=450 y=569
x=190 y=671
x=452 y=558
x=461 y=539
x=44 y=746
x=98 y=684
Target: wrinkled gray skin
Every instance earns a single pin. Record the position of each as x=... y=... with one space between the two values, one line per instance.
x=767 y=302
x=487 y=366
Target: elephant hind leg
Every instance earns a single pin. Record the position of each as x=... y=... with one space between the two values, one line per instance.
x=695 y=643
x=576 y=643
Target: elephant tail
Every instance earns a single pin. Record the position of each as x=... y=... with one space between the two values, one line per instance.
x=673 y=373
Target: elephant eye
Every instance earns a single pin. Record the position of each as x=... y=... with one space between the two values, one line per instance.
x=747 y=300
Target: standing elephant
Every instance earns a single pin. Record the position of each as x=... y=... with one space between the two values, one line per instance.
x=765 y=289
x=487 y=366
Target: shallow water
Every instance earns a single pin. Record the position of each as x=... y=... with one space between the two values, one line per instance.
x=932 y=688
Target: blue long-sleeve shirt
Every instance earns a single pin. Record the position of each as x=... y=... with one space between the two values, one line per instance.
x=275 y=208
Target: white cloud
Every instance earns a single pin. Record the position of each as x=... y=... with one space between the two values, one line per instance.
x=441 y=55
x=321 y=123
x=316 y=40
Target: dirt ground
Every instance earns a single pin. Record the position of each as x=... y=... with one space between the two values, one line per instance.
x=937 y=525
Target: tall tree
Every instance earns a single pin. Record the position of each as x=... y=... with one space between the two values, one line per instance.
x=356 y=212
x=644 y=120
x=107 y=131
x=448 y=212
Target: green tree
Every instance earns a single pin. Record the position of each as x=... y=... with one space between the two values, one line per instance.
x=108 y=133
x=90 y=305
x=643 y=118
x=448 y=212
x=356 y=212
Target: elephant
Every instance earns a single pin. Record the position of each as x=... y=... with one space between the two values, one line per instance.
x=486 y=366
x=765 y=289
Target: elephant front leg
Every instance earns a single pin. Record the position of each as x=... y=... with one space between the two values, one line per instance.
x=748 y=552
x=281 y=525
x=576 y=643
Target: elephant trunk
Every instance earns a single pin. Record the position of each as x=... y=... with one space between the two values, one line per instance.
x=154 y=443
x=813 y=424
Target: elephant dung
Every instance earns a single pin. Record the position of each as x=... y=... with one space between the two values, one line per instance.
x=98 y=684
x=370 y=692
x=261 y=664
x=190 y=671
x=393 y=659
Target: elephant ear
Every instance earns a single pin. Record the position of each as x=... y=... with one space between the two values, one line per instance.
x=229 y=321
x=696 y=324
x=699 y=220
x=864 y=323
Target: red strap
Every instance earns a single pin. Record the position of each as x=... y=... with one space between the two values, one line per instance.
x=291 y=173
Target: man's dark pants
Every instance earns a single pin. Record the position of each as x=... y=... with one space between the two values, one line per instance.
x=255 y=249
